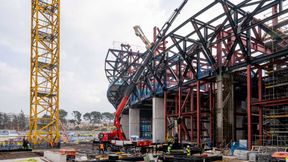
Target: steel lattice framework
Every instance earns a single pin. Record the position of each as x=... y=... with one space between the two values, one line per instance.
x=240 y=41
x=44 y=81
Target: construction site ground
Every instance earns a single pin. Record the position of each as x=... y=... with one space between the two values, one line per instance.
x=81 y=149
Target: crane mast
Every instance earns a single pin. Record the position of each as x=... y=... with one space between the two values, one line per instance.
x=149 y=54
x=44 y=76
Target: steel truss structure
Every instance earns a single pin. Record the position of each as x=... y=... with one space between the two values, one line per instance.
x=198 y=63
x=44 y=81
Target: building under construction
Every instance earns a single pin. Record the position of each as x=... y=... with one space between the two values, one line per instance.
x=218 y=77
x=211 y=80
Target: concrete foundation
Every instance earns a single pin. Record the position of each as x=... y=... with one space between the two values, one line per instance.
x=158 y=127
x=54 y=156
x=134 y=122
x=125 y=124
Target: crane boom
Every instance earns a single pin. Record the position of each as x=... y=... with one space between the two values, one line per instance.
x=136 y=77
x=141 y=35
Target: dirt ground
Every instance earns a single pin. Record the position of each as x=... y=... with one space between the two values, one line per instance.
x=20 y=154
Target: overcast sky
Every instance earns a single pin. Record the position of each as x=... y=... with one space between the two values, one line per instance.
x=88 y=29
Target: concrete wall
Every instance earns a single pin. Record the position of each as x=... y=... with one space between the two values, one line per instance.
x=54 y=156
x=125 y=124
x=134 y=122
x=158 y=127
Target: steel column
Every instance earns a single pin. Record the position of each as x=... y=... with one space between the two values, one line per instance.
x=211 y=112
x=260 y=106
x=165 y=113
x=191 y=110
x=198 y=115
x=179 y=114
x=249 y=96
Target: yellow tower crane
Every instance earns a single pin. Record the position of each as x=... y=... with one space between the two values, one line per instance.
x=44 y=76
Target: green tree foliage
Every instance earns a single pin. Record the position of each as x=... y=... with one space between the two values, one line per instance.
x=72 y=121
x=107 y=116
x=14 y=121
x=96 y=117
x=62 y=115
x=23 y=121
x=77 y=116
x=87 y=117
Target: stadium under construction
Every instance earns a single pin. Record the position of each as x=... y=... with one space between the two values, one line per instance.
x=213 y=87
x=211 y=80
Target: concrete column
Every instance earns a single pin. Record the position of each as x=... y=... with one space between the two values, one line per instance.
x=134 y=122
x=158 y=126
x=219 y=110
x=125 y=124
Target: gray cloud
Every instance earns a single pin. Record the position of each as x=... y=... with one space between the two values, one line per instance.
x=88 y=29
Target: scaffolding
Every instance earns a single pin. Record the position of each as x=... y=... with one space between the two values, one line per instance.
x=275 y=123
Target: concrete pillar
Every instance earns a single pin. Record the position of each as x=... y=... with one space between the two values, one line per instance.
x=125 y=124
x=225 y=109
x=134 y=122
x=219 y=110
x=158 y=126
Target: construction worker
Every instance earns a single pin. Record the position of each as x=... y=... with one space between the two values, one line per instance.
x=188 y=151
x=169 y=148
x=25 y=143
x=101 y=148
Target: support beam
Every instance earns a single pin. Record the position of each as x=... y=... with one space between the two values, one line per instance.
x=134 y=122
x=249 y=117
x=260 y=107
x=158 y=127
x=165 y=114
x=125 y=124
x=179 y=113
x=198 y=115
x=231 y=109
x=211 y=113
x=219 y=110
x=192 y=110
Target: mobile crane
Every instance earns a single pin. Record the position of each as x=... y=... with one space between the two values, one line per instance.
x=118 y=134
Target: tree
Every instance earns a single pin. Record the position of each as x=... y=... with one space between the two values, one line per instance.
x=77 y=116
x=22 y=121
x=6 y=121
x=96 y=117
x=108 y=116
x=1 y=120
x=72 y=121
x=15 y=123
x=87 y=117
x=62 y=115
